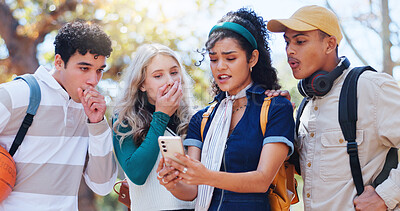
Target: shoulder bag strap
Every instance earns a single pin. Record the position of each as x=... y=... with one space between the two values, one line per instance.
x=205 y=119
x=264 y=114
x=34 y=101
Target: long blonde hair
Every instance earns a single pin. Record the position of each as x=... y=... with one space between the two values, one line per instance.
x=130 y=112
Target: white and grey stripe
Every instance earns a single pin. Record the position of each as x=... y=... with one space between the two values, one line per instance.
x=50 y=161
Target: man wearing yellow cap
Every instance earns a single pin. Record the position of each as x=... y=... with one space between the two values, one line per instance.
x=312 y=35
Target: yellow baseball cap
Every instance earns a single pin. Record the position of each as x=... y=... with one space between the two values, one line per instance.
x=309 y=18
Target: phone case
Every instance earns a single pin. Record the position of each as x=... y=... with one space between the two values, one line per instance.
x=169 y=145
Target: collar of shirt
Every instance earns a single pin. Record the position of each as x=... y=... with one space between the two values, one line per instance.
x=256 y=89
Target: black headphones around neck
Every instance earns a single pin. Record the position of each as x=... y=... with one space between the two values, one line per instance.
x=321 y=82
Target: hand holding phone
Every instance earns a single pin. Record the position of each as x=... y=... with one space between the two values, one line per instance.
x=169 y=145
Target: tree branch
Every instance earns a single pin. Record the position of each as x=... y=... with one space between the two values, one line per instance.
x=49 y=22
x=349 y=41
x=8 y=24
x=372 y=28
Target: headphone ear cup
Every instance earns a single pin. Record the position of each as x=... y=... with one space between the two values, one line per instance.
x=307 y=87
x=301 y=86
x=322 y=84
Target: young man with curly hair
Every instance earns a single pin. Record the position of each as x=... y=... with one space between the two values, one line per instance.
x=69 y=136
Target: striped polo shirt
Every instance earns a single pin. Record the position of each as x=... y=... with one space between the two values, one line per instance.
x=51 y=159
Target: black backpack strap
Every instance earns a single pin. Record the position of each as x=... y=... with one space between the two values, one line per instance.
x=391 y=162
x=34 y=101
x=300 y=112
x=294 y=158
x=347 y=121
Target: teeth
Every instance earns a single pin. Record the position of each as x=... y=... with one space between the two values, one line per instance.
x=224 y=76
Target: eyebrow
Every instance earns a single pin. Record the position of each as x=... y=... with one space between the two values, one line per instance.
x=224 y=53
x=296 y=35
x=85 y=63
x=88 y=64
x=158 y=70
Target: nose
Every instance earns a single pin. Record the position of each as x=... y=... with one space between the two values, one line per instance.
x=221 y=65
x=170 y=80
x=290 y=50
x=93 y=78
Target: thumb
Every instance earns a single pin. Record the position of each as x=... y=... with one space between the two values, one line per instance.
x=81 y=97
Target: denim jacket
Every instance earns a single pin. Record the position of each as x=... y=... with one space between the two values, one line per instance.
x=244 y=145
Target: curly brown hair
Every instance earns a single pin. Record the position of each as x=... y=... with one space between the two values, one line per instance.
x=83 y=37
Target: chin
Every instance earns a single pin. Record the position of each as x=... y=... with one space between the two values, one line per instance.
x=297 y=74
x=224 y=88
x=76 y=100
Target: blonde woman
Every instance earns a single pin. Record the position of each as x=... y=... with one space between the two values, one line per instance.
x=155 y=102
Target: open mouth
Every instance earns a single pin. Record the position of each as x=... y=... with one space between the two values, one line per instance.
x=294 y=63
x=223 y=77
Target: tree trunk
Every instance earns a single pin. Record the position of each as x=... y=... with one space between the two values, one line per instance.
x=387 y=61
x=22 y=52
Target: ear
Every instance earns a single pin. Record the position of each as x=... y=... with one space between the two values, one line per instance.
x=142 y=88
x=331 y=45
x=58 y=62
x=254 y=58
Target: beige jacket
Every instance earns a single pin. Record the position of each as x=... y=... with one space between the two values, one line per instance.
x=328 y=184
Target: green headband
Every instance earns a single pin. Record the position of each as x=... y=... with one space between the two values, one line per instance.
x=238 y=29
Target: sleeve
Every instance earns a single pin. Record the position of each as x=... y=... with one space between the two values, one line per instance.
x=280 y=125
x=101 y=170
x=137 y=162
x=388 y=119
x=193 y=137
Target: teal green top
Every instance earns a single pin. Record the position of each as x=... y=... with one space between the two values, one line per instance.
x=137 y=162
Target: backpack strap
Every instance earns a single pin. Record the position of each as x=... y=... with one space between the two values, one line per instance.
x=391 y=162
x=295 y=157
x=264 y=114
x=205 y=119
x=300 y=112
x=34 y=101
x=348 y=119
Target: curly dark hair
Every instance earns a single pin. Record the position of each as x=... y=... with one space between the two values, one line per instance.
x=81 y=36
x=263 y=73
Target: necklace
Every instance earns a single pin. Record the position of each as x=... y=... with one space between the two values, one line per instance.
x=243 y=106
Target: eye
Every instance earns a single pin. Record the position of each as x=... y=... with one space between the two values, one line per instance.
x=157 y=76
x=300 y=42
x=230 y=59
x=84 y=68
x=100 y=70
x=174 y=73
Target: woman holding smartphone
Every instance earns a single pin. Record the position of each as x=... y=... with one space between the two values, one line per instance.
x=155 y=102
x=233 y=167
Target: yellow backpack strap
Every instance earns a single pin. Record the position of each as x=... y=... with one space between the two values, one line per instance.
x=205 y=119
x=264 y=114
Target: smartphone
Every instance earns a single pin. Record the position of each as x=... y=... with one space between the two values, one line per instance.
x=169 y=145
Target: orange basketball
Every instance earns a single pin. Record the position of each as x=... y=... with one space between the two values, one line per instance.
x=8 y=173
